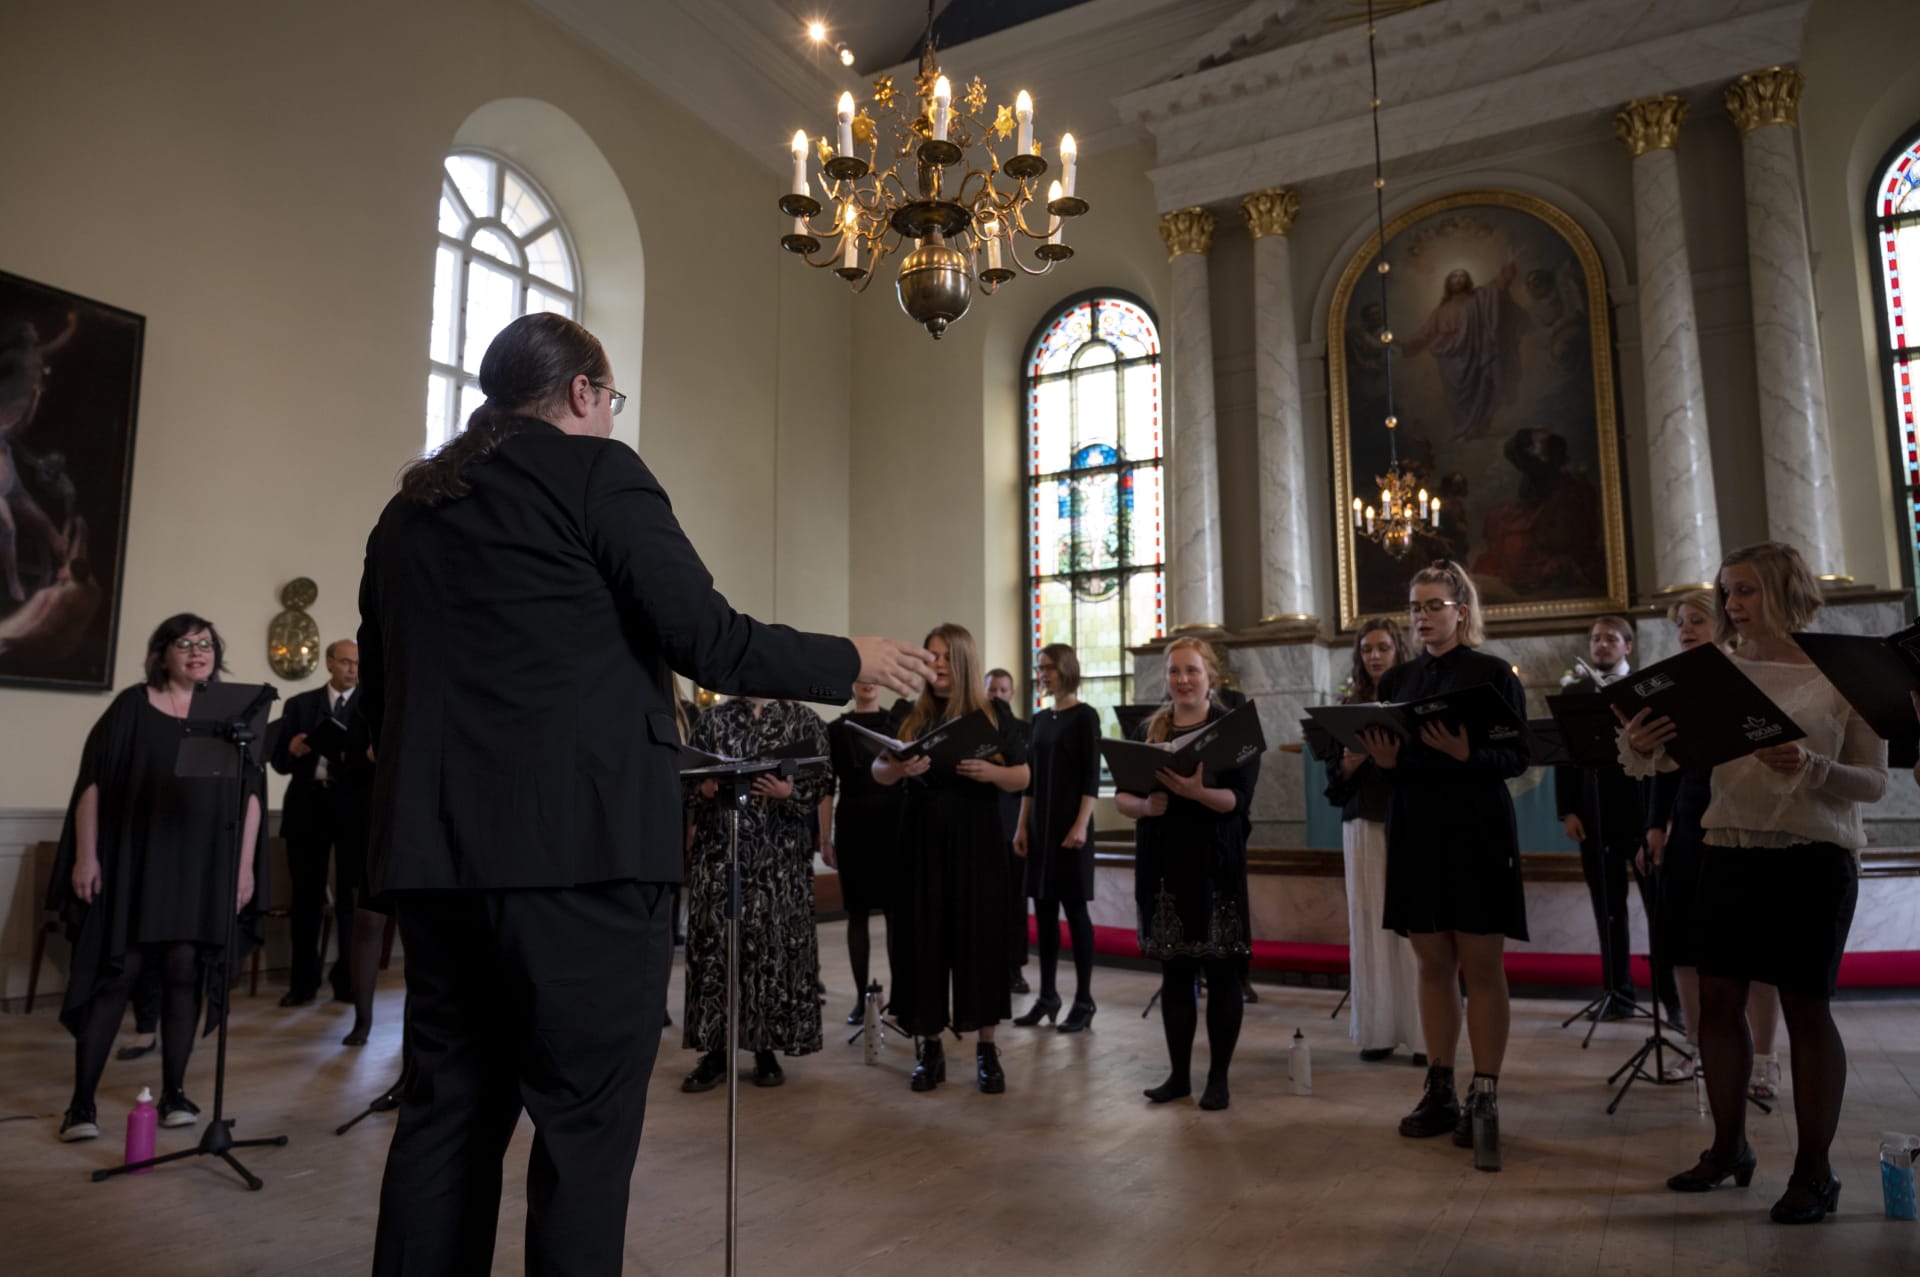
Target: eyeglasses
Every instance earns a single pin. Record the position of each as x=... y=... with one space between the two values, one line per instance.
x=193 y=645
x=619 y=400
x=1432 y=607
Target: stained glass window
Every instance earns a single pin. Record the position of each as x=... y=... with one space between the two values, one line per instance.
x=1096 y=537
x=1895 y=213
x=503 y=253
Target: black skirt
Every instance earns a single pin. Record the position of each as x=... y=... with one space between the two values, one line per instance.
x=865 y=845
x=1779 y=915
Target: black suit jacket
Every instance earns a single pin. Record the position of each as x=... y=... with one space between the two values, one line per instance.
x=515 y=647
x=304 y=812
x=1611 y=804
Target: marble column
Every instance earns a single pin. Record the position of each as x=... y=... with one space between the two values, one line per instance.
x=1803 y=506
x=1286 y=563
x=1686 y=522
x=1193 y=543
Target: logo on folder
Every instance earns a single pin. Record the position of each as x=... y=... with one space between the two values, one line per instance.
x=1758 y=729
x=1648 y=686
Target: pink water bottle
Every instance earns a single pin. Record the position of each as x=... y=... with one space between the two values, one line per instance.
x=142 y=1125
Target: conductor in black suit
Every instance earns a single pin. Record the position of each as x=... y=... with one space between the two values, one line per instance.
x=323 y=815
x=525 y=597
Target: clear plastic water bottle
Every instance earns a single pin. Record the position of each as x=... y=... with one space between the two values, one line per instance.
x=1486 y=1126
x=1896 y=1173
x=873 y=1032
x=142 y=1125
x=1300 y=1064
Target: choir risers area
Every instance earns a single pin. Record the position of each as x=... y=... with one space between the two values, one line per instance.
x=1296 y=889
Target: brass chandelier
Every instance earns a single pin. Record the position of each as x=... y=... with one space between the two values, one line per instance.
x=1405 y=509
x=935 y=186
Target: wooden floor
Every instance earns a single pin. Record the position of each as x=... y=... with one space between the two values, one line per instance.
x=1071 y=1172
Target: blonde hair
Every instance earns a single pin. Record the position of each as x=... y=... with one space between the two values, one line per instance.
x=1160 y=726
x=1701 y=601
x=969 y=687
x=1792 y=595
x=1473 y=630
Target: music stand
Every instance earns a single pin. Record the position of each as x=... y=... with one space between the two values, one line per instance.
x=735 y=779
x=221 y=737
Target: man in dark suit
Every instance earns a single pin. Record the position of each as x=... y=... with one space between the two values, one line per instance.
x=525 y=597
x=324 y=815
x=1000 y=691
x=1605 y=812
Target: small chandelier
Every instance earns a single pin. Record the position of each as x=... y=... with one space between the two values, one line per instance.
x=1405 y=508
x=946 y=223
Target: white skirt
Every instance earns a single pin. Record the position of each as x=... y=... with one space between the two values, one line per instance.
x=1385 y=1009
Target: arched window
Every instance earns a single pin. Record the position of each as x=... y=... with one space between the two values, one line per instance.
x=1895 y=217
x=504 y=253
x=1096 y=544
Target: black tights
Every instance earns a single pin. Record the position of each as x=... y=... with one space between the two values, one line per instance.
x=1047 y=914
x=179 y=963
x=369 y=936
x=1819 y=1070
x=1180 y=1014
x=860 y=949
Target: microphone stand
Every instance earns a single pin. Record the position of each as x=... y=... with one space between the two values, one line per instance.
x=735 y=779
x=230 y=713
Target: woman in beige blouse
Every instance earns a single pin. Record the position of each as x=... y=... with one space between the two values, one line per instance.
x=1779 y=879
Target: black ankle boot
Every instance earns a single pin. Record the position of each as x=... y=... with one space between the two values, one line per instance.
x=932 y=1069
x=709 y=1073
x=1438 y=1111
x=992 y=1080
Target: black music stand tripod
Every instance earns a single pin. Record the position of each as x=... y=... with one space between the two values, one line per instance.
x=223 y=727
x=735 y=780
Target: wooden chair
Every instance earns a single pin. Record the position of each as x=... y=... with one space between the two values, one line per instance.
x=43 y=856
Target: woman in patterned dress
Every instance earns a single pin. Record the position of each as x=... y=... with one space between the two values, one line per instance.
x=779 y=953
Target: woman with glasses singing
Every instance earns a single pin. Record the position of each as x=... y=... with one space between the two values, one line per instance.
x=1453 y=851
x=144 y=870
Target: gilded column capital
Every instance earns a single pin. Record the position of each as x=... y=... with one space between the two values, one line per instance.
x=1270 y=212
x=1650 y=124
x=1187 y=230
x=1760 y=98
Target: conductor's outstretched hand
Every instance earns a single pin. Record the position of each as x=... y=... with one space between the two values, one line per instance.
x=901 y=667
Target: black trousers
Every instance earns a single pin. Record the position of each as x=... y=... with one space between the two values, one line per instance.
x=1017 y=942
x=307 y=860
x=547 y=1000
x=1606 y=873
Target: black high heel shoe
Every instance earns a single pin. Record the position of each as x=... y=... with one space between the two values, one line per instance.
x=1706 y=1176
x=932 y=1069
x=1818 y=1199
x=1045 y=1007
x=1078 y=1018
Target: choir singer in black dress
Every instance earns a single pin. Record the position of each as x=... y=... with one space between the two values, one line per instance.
x=1453 y=850
x=1190 y=881
x=143 y=870
x=866 y=821
x=1055 y=836
x=949 y=924
x=527 y=597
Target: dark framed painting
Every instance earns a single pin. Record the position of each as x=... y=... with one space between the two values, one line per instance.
x=1503 y=391
x=69 y=392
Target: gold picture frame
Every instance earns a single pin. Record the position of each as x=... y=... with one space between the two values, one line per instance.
x=1504 y=395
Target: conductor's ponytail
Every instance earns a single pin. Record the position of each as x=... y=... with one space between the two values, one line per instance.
x=526 y=373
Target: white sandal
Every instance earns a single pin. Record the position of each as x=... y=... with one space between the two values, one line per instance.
x=1765 y=1082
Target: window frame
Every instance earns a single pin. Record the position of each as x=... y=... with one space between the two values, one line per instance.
x=519 y=271
x=1030 y=483
x=1889 y=356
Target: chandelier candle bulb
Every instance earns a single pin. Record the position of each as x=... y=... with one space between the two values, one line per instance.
x=1357 y=521
x=850 y=252
x=1069 y=163
x=800 y=163
x=1056 y=225
x=942 y=108
x=845 y=117
x=1023 y=112
x=1436 y=512
x=1423 y=503
x=993 y=248
x=1369 y=520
